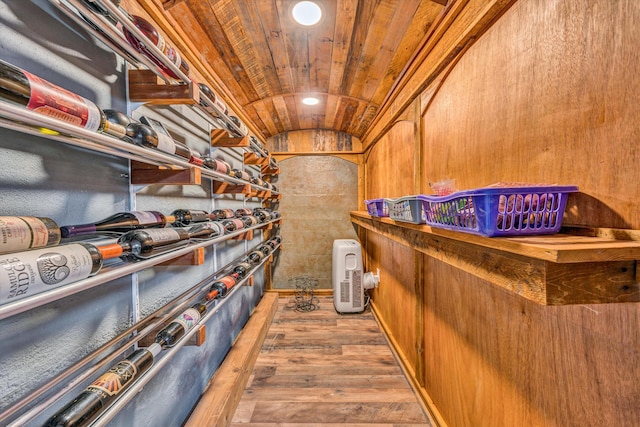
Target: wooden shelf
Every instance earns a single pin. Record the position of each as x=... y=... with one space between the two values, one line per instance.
x=145 y=86
x=268 y=170
x=221 y=138
x=556 y=269
x=254 y=159
x=227 y=188
x=146 y=174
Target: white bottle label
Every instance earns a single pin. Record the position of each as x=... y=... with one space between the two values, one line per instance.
x=166 y=144
x=163 y=234
x=190 y=317
x=19 y=233
x=28 y=273
x=146 y=217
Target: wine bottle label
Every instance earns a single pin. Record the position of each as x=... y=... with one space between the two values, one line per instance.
x=173 y=56
x=239 y=224
x=23 y=274
x=160 y=235
x=190 y=317
x=147 y=217
x=53 y=101
x=166 y=144
x=19 y=233
x=227 y=281
x=199 y=216
x=114 y=380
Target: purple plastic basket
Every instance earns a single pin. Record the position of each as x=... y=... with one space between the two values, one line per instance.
x=501 y=211
x=377 y=207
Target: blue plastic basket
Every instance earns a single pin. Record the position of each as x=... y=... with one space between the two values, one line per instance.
x=502 y=211
x=407 y=209
x=377 y=207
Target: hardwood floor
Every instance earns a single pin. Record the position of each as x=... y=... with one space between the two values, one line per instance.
x=321 y=368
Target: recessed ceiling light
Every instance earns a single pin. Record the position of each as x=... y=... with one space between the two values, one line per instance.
x=310 y=101
x=306 y=13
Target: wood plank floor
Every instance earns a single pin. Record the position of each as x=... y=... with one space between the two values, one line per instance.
x=321 y=368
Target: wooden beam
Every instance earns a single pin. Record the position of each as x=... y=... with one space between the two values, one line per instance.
x=219 y=401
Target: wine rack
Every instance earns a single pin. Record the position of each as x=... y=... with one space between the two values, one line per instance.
x=145 y=172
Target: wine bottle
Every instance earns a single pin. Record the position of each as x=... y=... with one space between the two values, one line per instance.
x=165 y=141
x=258 y=147
x=257 y=181
x=275 y=214
x=220 y=214
x=206 y=230
x=243 y=212
x=241 y=126
x=100 y=9
x=256 y=256
x=18 y=233
x=216 y=165
x=241 y=174
x=263 y=215
x=249 y=220
x=222 y=286
x=147 y=243
x=34 y=93
x=242 y=268
x=273 y=242
x=221 y=107
x=89 y=404
x=185 y=217
x=119 y=223
x=27 y=273
x=232 y=224
x=156 y=38
x=179 y=326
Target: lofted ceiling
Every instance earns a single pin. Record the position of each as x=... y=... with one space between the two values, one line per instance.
x=269 y=63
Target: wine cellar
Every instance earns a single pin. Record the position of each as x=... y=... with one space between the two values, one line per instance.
x=368 y=212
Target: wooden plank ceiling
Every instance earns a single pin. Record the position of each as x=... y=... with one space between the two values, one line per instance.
x=268 y=63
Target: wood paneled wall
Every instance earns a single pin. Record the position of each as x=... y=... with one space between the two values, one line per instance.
x=547 y=95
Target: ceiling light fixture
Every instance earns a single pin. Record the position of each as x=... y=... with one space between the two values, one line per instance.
x=306 y=13
x=310 y=101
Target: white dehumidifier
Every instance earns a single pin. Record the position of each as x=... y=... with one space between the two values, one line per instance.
x=349 y=279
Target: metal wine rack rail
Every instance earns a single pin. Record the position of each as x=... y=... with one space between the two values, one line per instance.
x=112 y=272
x=109 y=34
x=15 y=416
x=26 y=121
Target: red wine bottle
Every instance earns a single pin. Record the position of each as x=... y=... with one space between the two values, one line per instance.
x=179 y=326
x=220 y=106
x=119 y=223
x=242 y=268
x=273 y=242
x=185 y=217
x=220 y=214
x=233 y=224
x=23 y=274
x=34 y=93
x=19 y=233
x=222 y=286
x=156 y=38
x=89 y=404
